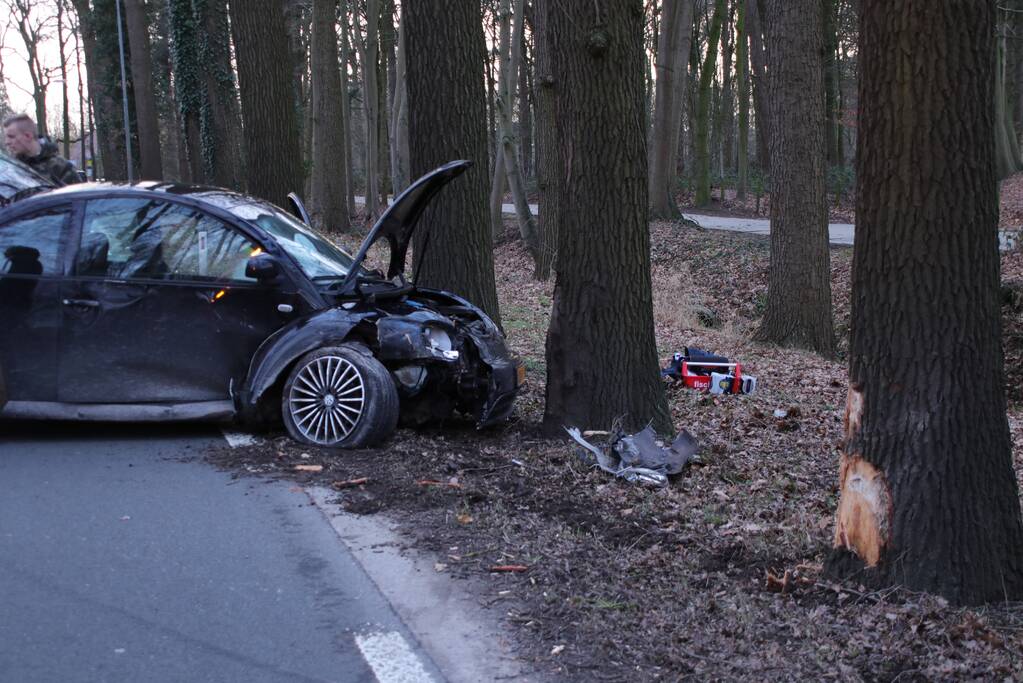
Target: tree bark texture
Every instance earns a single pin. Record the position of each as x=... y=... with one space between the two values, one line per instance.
x=674 y=43
x=742 y=76
x=547 y=149
x=702 y=151
x=798 y=311
x=832 y=114
x=329 y=207
x=346 y=53
x=104 y=81
x=928 y=494
x=601 y=358
x=151 y=162
x=65 y=116
x=221 y=127
x=758 y=79
x=500 y=176
x=447 y=121
x=399 y=119
x=272 y=152
x=727 y=118
x=510 y=62
x=1006 y=143
x=371 y=104
x=188 y=82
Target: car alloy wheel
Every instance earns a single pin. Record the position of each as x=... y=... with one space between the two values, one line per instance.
x=340 y=396
x=327 y=399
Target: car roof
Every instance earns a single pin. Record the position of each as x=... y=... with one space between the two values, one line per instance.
x=145 y=187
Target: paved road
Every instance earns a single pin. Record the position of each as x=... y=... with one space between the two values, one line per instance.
x=840 y=233
x=125 y=558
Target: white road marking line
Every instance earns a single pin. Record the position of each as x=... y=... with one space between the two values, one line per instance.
x=391 y=658
x=236 y=439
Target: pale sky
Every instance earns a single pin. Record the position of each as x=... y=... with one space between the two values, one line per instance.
x=16 y=74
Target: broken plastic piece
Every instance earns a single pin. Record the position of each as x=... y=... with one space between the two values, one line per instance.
x=638 y=458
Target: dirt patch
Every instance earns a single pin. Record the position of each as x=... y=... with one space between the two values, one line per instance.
x=717 y=576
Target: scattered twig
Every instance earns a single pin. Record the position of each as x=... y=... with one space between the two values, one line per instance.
x=349 y=483
x=433 y=482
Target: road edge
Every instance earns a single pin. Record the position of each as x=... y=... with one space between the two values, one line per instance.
x=466 y=642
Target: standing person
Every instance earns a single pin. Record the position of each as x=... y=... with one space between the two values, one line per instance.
x=22 y=138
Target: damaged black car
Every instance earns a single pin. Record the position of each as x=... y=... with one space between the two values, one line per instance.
x=161 y=302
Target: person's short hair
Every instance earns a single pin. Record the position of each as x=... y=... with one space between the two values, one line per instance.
x=24 y=123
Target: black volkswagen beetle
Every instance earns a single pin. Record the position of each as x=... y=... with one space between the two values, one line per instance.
x=159 y=301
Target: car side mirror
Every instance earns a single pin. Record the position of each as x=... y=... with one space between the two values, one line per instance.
x=262 y=267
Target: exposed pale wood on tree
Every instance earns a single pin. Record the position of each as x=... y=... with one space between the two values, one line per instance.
x=927 y=410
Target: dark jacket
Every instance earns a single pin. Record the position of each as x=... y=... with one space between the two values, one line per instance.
x=51 y=165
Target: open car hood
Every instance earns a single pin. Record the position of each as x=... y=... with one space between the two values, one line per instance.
x=398 y=222
x=18 y=180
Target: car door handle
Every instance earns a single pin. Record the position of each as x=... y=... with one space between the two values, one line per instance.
x=87 y=303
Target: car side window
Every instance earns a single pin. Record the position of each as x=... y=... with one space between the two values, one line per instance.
x=151 y=239
x=31 y=245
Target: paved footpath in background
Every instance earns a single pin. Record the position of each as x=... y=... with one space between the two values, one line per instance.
x=840 y=233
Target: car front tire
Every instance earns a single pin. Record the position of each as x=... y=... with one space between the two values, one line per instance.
x=339 y=396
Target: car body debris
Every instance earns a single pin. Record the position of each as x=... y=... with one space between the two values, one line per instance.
x=639 y=458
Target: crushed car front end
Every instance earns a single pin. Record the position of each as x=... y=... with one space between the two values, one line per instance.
x=447 y=355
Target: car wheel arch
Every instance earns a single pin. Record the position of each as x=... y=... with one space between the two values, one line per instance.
x=277 y=355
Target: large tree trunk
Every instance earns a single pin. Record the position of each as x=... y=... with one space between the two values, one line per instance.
x=707 y=71
x=371 y=103
x=758 y=73
x=673 y=46
x=399 y=119
x=346 y=111
x=525 y=100
x=103 y=76
x=1006 y=144
x=547 y=150
x=221 y=143
x=798 y=311
x=928 y=495
x=742 y=76
x=601 y=357
x=188 y=83
x=833 y=131
x=328 y=206
x=65 y=116
x=511 y=57
x=448 y=120
x=727 y=94
x=151 y=163
x=272 y=153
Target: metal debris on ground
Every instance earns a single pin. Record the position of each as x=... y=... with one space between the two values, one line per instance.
x=638 y=458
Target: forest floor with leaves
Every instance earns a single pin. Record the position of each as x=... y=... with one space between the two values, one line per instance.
x=719 y=575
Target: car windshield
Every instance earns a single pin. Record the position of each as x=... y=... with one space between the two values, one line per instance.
x=319 y=258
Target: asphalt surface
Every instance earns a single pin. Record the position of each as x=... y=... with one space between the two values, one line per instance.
x=124 y=557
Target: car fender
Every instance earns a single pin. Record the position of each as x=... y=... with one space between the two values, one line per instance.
x=276 y=354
